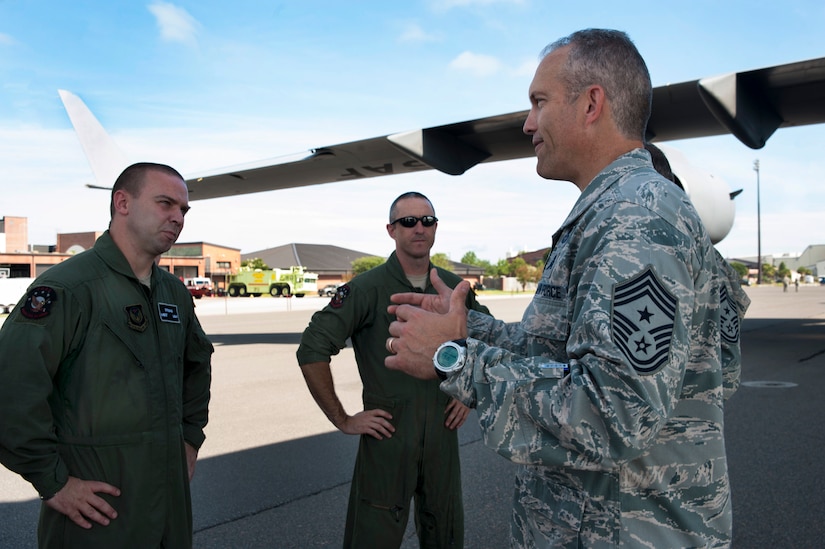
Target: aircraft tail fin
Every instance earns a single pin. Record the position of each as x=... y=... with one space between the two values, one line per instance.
x=104 y=156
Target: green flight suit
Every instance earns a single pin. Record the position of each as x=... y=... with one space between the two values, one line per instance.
x=421 y=459
x=104 y=380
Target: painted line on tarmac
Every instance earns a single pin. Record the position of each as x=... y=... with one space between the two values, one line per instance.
x=769 y=384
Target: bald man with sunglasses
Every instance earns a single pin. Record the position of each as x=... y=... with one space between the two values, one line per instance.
x=409 y=445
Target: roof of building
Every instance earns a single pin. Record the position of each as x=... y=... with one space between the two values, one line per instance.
x=201 y=243
x=326 y=259
x=316 y=258
x=532 y=257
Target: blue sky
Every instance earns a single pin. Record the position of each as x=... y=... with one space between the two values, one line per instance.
x=204 y=84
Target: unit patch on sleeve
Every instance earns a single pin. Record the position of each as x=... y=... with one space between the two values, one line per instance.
x=168 y=313
x=38 y=302
x=643 y=315
x=340 y=295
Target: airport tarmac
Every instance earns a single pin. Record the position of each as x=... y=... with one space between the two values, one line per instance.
x=273 y=473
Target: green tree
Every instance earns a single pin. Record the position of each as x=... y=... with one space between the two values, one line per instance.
x=491 y=270
x=515 y=265
x=255 y=263
x=527 y=273
x=768 y=272
x=470 y=258
x=364 y=264
x=502 y=268
x=783 y=271
x=740 y=268
x=441 y=260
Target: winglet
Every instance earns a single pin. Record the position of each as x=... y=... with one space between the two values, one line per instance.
x=104 y=156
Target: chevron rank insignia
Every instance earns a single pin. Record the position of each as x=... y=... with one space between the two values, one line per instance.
x=728 y=317
x=643 y=315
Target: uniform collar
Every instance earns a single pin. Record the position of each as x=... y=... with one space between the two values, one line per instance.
x=395 y=270
x=111 y=255
x=605 y=180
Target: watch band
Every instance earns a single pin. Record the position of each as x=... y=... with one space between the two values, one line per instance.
x=441 y=375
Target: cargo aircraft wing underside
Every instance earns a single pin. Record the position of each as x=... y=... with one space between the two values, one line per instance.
x=751 y=105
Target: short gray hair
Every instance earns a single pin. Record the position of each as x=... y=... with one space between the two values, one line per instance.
x=610 y=59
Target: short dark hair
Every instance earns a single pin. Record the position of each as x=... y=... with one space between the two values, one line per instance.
x=410 y=194
x=132 y=178
x=661 y=164
x=610 y=59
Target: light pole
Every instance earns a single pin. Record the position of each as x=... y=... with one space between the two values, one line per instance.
x=758 y=227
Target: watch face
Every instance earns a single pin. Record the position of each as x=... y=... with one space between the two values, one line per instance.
x=447 y=356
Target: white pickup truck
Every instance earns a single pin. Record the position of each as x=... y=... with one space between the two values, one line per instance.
x=11 y=290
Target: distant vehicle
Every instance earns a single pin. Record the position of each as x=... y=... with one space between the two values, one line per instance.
x=275 y=282
x=822 y=279
x=11 y=290
x=328 y=290
x=198 y=286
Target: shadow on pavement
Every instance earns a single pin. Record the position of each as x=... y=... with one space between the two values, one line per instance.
x=293 y=338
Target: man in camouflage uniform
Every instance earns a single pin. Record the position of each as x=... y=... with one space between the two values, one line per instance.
x=734 y=302
x=610 y=389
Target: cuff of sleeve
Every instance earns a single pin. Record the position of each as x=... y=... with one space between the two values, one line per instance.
x=50 y=484
x=460 y=384
x=194 y=436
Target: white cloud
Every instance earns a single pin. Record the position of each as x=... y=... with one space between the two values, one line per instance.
x=526 y=68
x=175 y=23
x=476 y=63
x=7 y=39
x=414 y=33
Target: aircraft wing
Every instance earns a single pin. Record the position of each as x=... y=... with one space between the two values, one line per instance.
x=452 y=149
x=750 y=105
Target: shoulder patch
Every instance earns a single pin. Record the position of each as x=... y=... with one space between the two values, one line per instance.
x=728 y=316
x=643 y=316
x=135 y=318
x=340 y=295
x=39 y=302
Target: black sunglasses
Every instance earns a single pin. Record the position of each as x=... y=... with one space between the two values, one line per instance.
x=411 y=221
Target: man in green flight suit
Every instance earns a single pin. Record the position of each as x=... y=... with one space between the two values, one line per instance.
x=409 y=445
x=106 y=375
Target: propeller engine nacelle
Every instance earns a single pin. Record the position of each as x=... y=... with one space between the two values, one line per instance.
x=709 y=194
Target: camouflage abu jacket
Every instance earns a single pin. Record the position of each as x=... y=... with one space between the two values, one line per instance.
x=610 y=389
